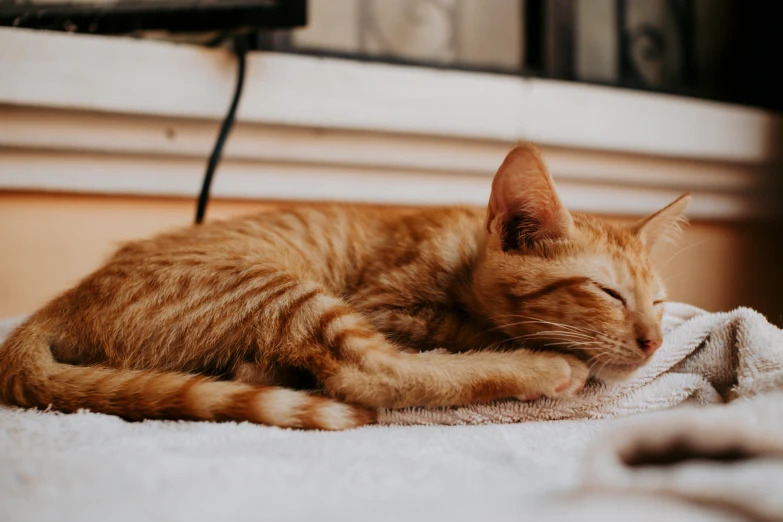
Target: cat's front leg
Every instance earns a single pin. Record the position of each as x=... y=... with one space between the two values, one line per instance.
x=439 y=332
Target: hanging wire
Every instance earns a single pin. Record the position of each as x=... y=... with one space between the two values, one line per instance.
x=241 y=44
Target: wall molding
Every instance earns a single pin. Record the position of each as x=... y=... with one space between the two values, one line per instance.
x=165 y=79
x=178 y=176
x=72 y=151
x=122 y=116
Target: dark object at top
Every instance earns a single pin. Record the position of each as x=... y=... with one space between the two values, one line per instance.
x=127 y=16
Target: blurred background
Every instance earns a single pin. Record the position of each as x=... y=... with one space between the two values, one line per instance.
x=108 y=110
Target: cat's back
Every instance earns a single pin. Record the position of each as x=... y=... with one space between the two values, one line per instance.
x=329 y=229
x=327 y=242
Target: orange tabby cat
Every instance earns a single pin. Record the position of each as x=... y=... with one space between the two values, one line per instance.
x=232 y=320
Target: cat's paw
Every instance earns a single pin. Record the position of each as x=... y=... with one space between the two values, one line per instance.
x=579 y=373
x=555 y=375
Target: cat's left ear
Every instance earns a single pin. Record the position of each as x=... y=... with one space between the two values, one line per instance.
x=524 y=206
x=664 y=224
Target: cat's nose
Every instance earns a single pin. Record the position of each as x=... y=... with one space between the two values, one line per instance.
x=648 y=345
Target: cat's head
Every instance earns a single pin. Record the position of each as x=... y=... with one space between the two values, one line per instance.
x=571 y=282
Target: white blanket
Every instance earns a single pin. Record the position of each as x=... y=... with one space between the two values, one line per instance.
x=94 y=467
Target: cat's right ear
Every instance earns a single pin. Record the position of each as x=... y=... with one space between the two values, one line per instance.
x=664 y=224
x=524 y=206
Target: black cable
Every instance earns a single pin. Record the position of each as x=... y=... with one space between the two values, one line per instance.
x=241 y=45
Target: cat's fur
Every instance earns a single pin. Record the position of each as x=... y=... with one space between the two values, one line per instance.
x=232 y=320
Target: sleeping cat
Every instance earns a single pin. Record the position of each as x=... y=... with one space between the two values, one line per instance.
x=314 y=318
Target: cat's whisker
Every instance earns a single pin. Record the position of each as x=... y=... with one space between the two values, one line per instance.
x=579 y=329
x=587 y=332
x=592 y=330
x=607 y=354
x=560 y=332
x=574 y=342
x=551 y=335
x=601 y=364
x=675 y=276
x=680 y=251
x=564 y=330
x=571 y=344
x=557 y=332
x=552 y=323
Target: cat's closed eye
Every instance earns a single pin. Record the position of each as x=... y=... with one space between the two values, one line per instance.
x=613 y=294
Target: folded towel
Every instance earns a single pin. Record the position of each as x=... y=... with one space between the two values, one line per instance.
x=706 y=358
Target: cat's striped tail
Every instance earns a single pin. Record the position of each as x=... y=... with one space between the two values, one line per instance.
x=30 y=377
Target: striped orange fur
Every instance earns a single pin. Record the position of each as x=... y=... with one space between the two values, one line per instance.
x=314 y=318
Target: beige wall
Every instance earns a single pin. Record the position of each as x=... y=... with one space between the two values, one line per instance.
x=50 y=241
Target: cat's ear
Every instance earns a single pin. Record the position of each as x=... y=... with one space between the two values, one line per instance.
x=524 y=206
x=664 y=224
